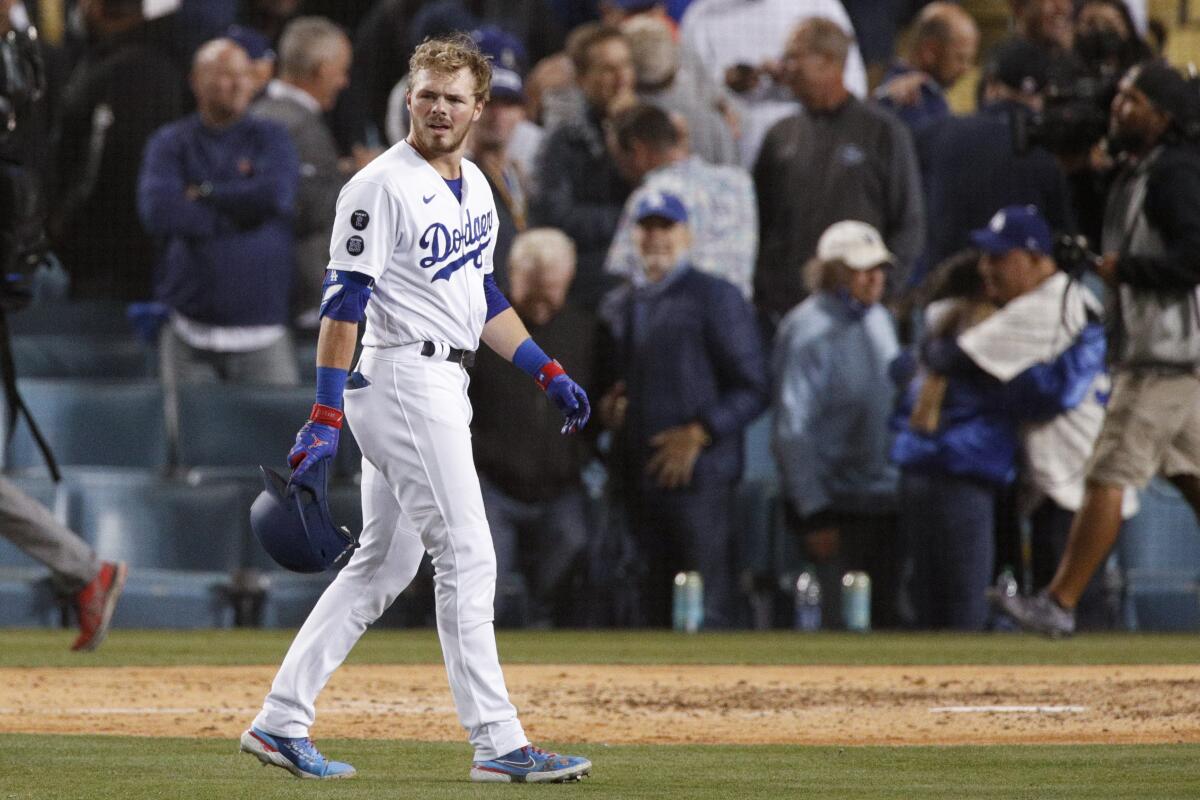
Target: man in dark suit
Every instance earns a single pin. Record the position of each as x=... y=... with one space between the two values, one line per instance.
x=314 y=68
x=684 y=373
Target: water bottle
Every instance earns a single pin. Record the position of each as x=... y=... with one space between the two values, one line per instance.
x=856 y=601
x=687 y=606
x=808 y=602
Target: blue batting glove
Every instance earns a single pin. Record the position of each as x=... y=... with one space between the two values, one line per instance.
x=568 y=396
x=317 y=440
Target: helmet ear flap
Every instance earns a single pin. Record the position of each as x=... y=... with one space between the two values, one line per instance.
x=274 y=483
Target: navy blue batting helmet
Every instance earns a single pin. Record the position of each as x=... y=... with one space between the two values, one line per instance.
x=292 y=521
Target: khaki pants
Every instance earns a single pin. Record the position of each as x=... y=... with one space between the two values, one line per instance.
x=1152 y=427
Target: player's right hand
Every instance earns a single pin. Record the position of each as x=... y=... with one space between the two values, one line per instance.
x=318 y=439
x=571 y=400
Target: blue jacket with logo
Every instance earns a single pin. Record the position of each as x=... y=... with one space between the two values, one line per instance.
x=226 y=258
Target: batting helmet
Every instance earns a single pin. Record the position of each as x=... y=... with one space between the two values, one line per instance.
x=292 y=522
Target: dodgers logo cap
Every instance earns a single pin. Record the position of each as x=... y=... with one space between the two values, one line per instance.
x=1015 y=228
x=660 y=204
x=856 y=244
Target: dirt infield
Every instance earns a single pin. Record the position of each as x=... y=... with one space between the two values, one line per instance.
x=642 y=704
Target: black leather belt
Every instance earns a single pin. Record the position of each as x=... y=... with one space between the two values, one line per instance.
x=465 y=358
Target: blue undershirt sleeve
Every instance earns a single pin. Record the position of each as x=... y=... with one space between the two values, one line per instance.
x=496 y=301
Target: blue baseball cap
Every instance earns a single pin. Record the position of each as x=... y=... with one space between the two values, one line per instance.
x=1015 y=228
x=635 y=5
x=256 y=45
x=662 y=205
x=508 y=61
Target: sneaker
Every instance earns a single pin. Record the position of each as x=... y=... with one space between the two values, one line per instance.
x=94 y=605
x=531 y=765
x=1040 y=613
x=298 y=756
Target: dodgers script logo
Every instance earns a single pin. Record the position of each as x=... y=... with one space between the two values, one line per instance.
x=442 y=244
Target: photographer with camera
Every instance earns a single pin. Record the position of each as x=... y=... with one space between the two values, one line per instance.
x=1151 y=261
x=93 y=585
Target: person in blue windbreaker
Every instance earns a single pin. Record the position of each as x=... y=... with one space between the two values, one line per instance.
x=959 y=424
x=832 y=399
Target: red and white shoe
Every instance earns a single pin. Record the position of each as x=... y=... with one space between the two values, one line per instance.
x=95 y=603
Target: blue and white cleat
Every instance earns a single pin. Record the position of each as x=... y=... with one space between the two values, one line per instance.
x=298 y=756
x=531 y=765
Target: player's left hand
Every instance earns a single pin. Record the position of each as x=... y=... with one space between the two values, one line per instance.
x=675 y=459
x=571 y=400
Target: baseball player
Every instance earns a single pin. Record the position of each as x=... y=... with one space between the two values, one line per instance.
x=412 y=252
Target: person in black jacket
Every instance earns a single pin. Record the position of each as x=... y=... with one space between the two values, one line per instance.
x=124 y=89
x=683 y=373
x=1151 y=263
x=578 y=186
x=529 y=473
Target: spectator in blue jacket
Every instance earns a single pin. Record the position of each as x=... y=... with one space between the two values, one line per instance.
x=684 y=374
x=832 y=402
x=960 y=422
x=217 y=189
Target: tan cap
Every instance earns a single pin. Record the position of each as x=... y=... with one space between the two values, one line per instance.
x=856 y=244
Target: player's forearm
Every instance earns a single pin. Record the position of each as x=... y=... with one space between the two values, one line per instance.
x=504 y=333
x=335 y=343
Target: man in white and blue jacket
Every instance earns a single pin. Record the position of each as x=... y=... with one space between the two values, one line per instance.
x=999 y=377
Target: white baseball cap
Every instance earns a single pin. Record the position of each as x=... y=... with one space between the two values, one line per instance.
x=856 y=244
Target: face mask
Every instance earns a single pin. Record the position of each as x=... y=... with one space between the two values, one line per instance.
x=1096 y=47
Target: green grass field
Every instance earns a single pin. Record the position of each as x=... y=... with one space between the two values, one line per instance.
x=127 y=768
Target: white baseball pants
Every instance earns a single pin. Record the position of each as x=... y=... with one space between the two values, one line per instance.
x=420 y=493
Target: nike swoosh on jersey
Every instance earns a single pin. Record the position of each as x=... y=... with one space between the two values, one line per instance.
x=428 y=200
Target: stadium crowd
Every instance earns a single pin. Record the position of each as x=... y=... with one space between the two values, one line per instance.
x=710 y=210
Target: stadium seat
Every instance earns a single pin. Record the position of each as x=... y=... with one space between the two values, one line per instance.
x=154 y=522
x=93 y=317
x=27 y=598
x=223 y=425
x=81 y=356
x=163 y=598
x=1159 y=553
x=102 y=423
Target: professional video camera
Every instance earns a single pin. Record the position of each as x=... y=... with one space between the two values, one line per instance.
x=1074 y=117
x=22 y=233
x=23 y=244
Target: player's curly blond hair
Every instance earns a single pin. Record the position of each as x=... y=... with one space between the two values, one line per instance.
x=446 y=55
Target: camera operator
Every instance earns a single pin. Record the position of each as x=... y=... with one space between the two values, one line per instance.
x=1081 y=88
x=93 y=585
x=1151 y=262
x=972 y=165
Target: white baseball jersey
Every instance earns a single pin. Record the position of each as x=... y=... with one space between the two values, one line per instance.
x=398 y=222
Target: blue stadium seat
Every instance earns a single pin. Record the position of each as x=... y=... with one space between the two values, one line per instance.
x=81 y=356
x=290 y=597
x=224 y=425
x=1159 y=552
x=27 y=598
x=154 y=522
x=102 y=423
x=97 y=317
x=162 y=598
